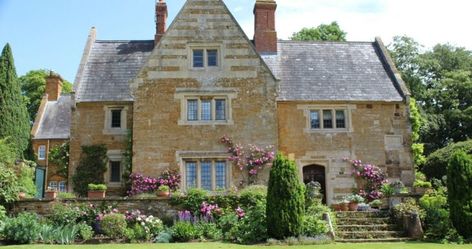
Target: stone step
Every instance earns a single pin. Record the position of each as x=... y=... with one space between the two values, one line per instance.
x=374 y=227
x=363 y=221
x=370 y=214
x=383 y=240
x=370 y=234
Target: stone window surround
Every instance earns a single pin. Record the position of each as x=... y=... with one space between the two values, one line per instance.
x=42 y=152
x=205 y=47
x=107 y=129
x=308 y=108
x=228 y=94
x=115 y=156
x=185 y=156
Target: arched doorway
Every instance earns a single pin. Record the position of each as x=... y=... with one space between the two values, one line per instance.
x=315 y=173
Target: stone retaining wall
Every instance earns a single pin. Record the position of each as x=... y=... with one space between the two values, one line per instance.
x=159 y=207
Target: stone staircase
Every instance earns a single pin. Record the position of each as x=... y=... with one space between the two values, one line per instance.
x=367 y=227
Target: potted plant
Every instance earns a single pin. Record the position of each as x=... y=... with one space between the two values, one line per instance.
x=354 y=201
x=376 y=204
x=421 y=186
x=50 y=194
x=96 y=191
x=163 y=191
x=344 y=205
x=397 y=187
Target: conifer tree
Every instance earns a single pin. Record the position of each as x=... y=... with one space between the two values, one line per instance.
x=285 y=200
x=459 y=185
x=14 y=120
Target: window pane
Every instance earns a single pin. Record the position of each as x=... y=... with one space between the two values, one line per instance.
x=221 y=175
x=198 y=58
x=115 y=171
x=192 y=110
x=52 y=185
x=212 y=57
x=206 y=109
x=220 y=109
x=315 y=119
x=191 y=175
x=327 y=119
x=115 y=118
x=206 y=175
x=62 y=186
x=42 y=152
x=340 y=119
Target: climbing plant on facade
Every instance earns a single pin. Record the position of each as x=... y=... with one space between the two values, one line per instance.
x=371 y=179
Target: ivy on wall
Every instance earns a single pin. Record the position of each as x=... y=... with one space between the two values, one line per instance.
x=91 y=169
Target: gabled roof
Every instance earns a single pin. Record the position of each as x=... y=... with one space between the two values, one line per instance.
x=109 y=68
x=333 y=71
x=55 y=120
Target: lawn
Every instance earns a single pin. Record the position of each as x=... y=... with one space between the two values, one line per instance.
x=408 y=245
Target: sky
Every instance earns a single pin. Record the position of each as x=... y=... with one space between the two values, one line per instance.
x=51 y=34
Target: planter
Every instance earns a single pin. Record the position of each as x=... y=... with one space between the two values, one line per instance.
x=420 y=190
x=96 y=194
x=50 y=194
x=336 y=207
x=344 y=206
x=163 y=193
x=353 y=206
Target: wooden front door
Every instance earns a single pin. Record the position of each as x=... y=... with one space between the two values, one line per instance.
x=315 y=173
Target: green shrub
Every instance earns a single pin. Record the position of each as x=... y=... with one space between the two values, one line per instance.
x=85 y=231
x=409 y=206
x=164 y=237
x=64 y=214
x=139 y=233
x=226 y=223
x=194 y=199
x=459 y=185
x=25 y=172
x=91 y=169
x=9 y=187
x=96 y=187
x=285 y=200
x=252 y=194
x=24 y=229
x=421 y=184
x=183 y=231
x=208 y=230
x=65 y=195
x=437 y=222
x=67 y=234
x=436 y=163
x=313 y=222
x=114 y=225
x=252 y=228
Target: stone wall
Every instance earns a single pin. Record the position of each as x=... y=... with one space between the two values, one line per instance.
x=150 y=206
x=51 y=168
x=161 y=138
x=379 y=134
x=87 y=128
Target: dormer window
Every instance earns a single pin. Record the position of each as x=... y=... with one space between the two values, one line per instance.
x=205 y=58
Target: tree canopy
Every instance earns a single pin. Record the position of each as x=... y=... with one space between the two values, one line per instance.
x=324 y=32
x=440 y=79
x=13 y=114
x=33 y=85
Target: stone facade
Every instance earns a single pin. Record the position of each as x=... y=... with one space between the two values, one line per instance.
x=161 y=139
x=376 y=133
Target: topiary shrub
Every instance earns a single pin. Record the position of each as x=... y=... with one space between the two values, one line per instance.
x=114 y=225
x=91 y=169
x=285 y=200
x=436 y=163
x=459 y=185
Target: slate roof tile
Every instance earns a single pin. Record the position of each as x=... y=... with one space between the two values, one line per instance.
x=55 y=122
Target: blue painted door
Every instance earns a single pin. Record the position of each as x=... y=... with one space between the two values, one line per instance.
x=39 y=180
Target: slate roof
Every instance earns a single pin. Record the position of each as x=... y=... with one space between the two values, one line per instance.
x=110 y=67
x=332 y=71
x=55 y=122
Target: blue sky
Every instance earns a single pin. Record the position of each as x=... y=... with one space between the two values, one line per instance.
x=51 y=34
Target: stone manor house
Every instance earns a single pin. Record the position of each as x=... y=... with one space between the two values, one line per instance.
x=202 y=78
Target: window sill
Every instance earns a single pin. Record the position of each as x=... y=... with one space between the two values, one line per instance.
x=328 y=130
x=212 y=122
x=118 y=131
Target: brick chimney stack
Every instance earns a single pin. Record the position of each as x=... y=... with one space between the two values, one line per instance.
x=265 y=35
x=53 y=86
x=161 y=18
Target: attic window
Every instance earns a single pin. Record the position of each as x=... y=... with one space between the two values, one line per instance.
x=205 y=58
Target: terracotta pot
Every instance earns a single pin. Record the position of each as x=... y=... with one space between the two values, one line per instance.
x=344 y=206
x=22 y=195
x=96 y=194
x=353 y=206
x=336 y=207
x=421 y=191
x=50 y=194
x=163 y=193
